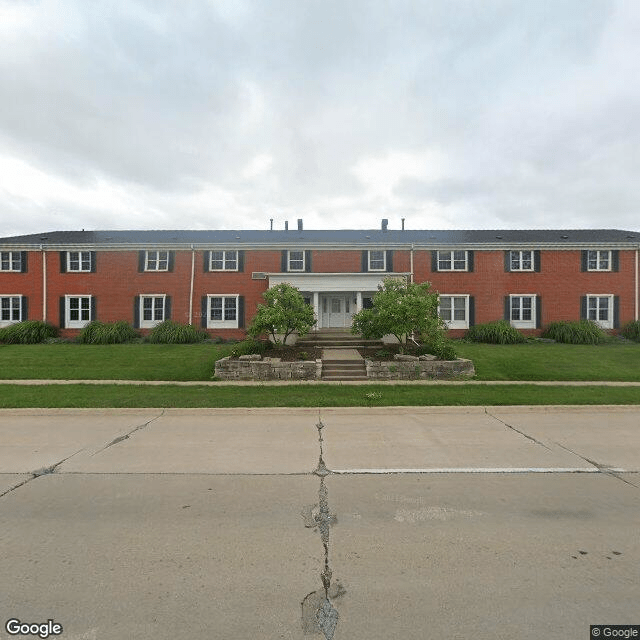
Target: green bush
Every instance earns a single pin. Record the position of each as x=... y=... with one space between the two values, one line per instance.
x=579 y=332
x=171 y=332
x=631 y=331
x=27 y=332
x=248 y=347
x=441 y=347
x=107 y=333
x=498 y=332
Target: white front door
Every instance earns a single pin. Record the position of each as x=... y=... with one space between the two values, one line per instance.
x=336 y=310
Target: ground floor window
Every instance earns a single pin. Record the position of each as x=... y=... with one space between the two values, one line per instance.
x=523 y=311
x=454 y=310
x=152 y=310
x=77 y=311
x=10 y=310
x=600 y=310
x=222 y=312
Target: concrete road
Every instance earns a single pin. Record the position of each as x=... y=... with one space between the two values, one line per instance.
x=449 y=523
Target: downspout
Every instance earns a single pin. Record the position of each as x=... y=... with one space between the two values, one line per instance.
x=193 y=262
x=44 y=284
x=411 y=263
x=636 y=314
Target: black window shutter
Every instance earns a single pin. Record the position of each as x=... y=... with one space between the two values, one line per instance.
x=538 y=312
x=136 y=312
x=507 y=308
x=584 y=256
x=283 y=261
x=141 y=260
x=23 y=261
x=472 y=311
x=583 y=307
x=307 y=261
x=365 y=261
x=171 y=260
x=241 y=312
x=203 y=312
x=390 y=260
x=94 y=307
x=167 y=307
x=367 y=303
x=434 y=261
x=615 y=260
x=241 y=260
x=616 y=312
x=207 y=261
x=537 y=261
x=63 y=262
x=470 y=261
x=92 y=256
x=62 y=312
x=507 y=261
x=24 y=310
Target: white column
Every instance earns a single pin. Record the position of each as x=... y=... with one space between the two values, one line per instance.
x=316 y=308
x=358 y=301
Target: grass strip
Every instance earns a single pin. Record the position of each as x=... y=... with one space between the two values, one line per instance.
x=166 y=396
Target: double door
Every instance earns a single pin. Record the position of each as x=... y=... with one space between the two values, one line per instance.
x=336 y=310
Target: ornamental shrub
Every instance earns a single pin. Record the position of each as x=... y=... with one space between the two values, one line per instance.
x=107 y=333
x=28 y=332
x=631 y=331
x=171 y=332
x=497 y=332
x=248 y=347
x=578 y=332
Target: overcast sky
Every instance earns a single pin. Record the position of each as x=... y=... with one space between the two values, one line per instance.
x=210 y=114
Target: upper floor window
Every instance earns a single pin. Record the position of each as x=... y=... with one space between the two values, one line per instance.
x=11 y=310
x=453 y=261
x=12 y=260
x=521 y=260
x=78 y=260
x=377 y=260
x=156 y=261
x=296 y=261
x=223 y=261
x=454 y=310
x=598 y=260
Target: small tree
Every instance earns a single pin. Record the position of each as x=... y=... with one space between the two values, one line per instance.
x=285 y=311
x=401 y=309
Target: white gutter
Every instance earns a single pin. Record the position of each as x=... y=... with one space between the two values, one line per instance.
x=44 y=284
x=193 y=262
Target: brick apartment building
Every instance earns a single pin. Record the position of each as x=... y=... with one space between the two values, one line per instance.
x=216 y=279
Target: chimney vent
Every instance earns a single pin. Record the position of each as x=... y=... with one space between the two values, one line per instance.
x=299 y=224
x=403 y=224
x=286 y=225
x=385 y=224
x=271 y=219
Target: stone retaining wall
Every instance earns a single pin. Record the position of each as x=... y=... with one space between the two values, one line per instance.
x=413 y=368
x=254 y=367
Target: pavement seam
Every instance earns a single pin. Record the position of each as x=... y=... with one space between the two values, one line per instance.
x=522 y=433
x=126 y=436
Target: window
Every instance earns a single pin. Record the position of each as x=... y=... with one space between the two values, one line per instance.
x=598 y=260
x=10 y=261
x=521 y=261
x=600 y=310
x=296 y=261
x=77 y=311
x=452 y=261
x=156 y=261
x=10 y=310
x=223 y=261
x=377 y=261
x=522 y=313
x=152 y=310
x=78 y=260
x=222 y=312
x=454 y=310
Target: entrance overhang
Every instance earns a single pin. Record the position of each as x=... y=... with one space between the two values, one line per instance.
x=321 y=282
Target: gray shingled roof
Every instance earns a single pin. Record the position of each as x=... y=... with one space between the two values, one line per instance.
x=363 y=237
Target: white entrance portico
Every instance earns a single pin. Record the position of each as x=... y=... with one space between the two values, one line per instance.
x=335 y=296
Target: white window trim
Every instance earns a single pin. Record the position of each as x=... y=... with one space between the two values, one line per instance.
x=222 y=324
x=79 y=269
x=6 y=323
x=11 y=269
x=157 y=261
x=150 y=324
x=604 y=324
x=451 y=253
x=384 y=260
x=521 y=259
x=599 y=251
x=75 y=324
x=524 y=324
x=224 y=259
x=304 y=260
x=457 y=324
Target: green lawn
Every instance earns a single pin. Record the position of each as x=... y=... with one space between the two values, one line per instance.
x=12 y=396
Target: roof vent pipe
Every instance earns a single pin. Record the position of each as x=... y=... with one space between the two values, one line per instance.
x=299 y=224
x=271 y=219
x=402 y=223
x=385 y=224
x=286 y=225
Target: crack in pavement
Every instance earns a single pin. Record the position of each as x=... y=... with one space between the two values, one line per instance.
x=522 y=433
x=43 y=471
x=126 y=436
x=602 y=468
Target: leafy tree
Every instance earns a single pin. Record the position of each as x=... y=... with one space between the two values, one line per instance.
x=285 y=311
x=402 y=310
